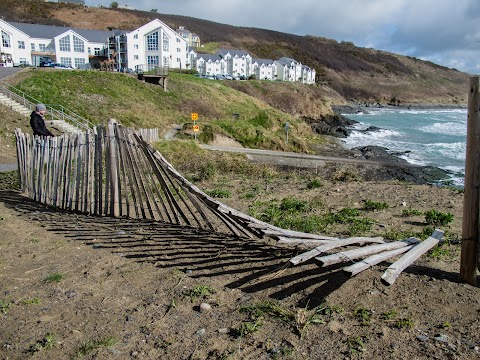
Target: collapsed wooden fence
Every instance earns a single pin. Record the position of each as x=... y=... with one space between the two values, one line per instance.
x=113 y=171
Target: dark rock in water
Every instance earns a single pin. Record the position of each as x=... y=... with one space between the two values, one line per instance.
x=372 y=152
x=398 y=168
x=333 y=125
x=371 y=129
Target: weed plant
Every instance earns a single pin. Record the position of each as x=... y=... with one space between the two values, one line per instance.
x=47 y=342
x=199 y=291
x=91 y=345
x=53 y=278
x=437 y=218
x=374 y=205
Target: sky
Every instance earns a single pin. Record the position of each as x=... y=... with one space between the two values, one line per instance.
x=446 y=32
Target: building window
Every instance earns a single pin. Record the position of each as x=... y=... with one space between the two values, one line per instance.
x=42 y=47
x=66 y=61
x=22 y=61
x=65 y=43
x=179 y=60
x=135 y=36
x=152 y=41
x=135 y=46
x=79 y=63
x=166 y=42
x=96 y=51
x=135 y=57
x=152 y=62
x=78 y=44
x=21 y=44
x=5 y=39
x=165 y=61
x=32 y=46
x=89 y=51
x=179 y=50
x=178 y=40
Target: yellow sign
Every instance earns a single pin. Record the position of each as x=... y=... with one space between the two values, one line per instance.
x=196 y=128
x=194 y=116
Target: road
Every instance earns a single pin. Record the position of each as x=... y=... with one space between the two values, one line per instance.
x=300 y=160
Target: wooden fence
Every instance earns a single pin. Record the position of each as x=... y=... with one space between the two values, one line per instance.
x=112 y=171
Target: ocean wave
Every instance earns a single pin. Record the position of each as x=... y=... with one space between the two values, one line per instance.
x=445 y=128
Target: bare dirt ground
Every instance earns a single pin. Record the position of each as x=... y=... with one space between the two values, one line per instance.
x=76 y=286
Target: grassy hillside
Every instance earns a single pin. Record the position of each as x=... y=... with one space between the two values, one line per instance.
x=99 y=96
x=357 y=74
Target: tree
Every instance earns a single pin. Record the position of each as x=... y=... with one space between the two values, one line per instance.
x=154 y=10
x=114 y=5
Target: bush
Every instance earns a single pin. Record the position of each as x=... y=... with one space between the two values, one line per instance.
x=436 y=218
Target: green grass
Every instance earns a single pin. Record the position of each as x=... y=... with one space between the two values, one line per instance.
x=32 y=301
x=201 y=291
x=218 y=193
x=135 y=104
x=411 y=212
x=46 y=343
x=90 y=346
x=363 y=316
x=371 y=205
x=5 y=306
x=53 y=278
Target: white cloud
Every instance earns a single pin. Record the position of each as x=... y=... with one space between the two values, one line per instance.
x=442 y=31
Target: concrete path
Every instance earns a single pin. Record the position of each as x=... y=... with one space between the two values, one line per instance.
x=8 y=167
x=7 y=71
x=299 y=160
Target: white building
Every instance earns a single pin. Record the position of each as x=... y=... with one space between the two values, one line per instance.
x=29 y=44
x=240 y=63
x=156 y=45
x=264 y=69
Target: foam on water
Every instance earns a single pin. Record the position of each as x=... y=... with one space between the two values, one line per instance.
x=431 y=137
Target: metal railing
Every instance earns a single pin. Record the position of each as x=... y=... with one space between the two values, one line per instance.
x=55 y=111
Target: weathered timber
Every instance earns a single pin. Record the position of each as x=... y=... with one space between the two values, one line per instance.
x=332 y=245
x=374 y=260
x=406 y=260
x=471 y=195
x=350 y=255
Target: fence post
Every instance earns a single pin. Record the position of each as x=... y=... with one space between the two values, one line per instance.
x=470 y=231
x=114 y=191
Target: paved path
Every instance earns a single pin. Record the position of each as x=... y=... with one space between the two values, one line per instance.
x=300 y=160
x=7 y=71
x=8 y=167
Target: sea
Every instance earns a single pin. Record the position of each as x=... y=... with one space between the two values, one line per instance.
x=435 y=137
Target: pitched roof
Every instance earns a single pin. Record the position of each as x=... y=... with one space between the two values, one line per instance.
x=210 y=57
x=263 y=61
x=49 y=32
x=286 y=61
x=223 y=52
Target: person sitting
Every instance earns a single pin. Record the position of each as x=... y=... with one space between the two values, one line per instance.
x=37 y=121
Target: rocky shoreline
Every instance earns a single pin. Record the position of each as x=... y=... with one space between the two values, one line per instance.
x=339 y=126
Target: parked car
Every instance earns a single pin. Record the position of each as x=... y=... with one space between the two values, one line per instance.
x=211 y=77
x=228 y=77
x=61 y=66
x=220 y=77
x=126 y=70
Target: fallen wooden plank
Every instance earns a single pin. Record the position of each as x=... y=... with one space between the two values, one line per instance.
x=362 y=252
x=374 y=260
x=300 y=241
x=295 y=234
x=406 y=260
x=332 y=245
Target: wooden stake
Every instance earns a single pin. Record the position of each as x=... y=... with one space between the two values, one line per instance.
x=470 y=231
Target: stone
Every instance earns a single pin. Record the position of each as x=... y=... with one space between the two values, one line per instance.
x=422 y=338
x=205 y=307
x=201 y=332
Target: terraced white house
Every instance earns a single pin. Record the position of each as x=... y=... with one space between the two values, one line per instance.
x=29 y=44
x=152 y=45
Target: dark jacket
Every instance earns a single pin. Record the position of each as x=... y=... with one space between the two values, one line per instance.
x=38 y=125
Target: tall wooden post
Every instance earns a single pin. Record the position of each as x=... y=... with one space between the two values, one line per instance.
x=470 y=230
x=114 y=190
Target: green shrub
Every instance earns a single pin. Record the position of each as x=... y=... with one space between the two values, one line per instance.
x=434 y=217
x=374 y=205
x=314 y=184
x=411 y=212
